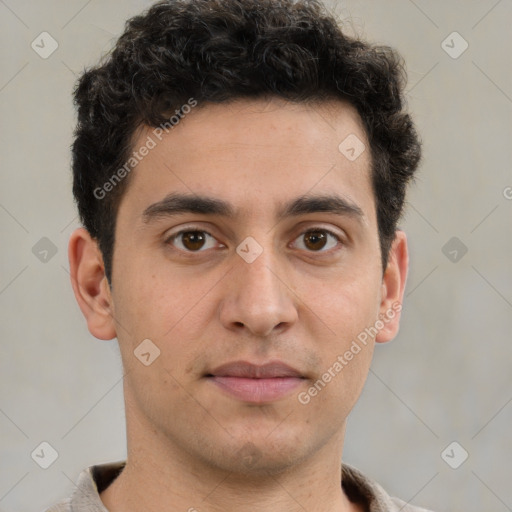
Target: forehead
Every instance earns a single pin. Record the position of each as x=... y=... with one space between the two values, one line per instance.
x=255 y=155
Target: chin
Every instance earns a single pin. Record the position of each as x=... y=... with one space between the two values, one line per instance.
x=257 y=457
x=250 y=461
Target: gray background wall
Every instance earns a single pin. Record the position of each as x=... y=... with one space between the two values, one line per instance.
x=445 y=378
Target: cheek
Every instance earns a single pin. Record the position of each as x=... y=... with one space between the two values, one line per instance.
x=166 y=310
x=173 y=310
x=345 y=351
x=338 y=318
x=156 y=303
x=343 y=302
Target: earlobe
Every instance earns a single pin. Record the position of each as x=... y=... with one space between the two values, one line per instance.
x=90 y=285
x=393 y=286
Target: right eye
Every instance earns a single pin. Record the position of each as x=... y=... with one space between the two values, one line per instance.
x=192 y=240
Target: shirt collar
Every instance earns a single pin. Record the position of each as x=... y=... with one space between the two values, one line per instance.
x=95 y=479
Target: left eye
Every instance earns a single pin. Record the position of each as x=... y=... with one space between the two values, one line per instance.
x=192 y=240
x=318 y=240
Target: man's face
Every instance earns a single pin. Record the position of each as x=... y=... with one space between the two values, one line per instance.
x=205 y=302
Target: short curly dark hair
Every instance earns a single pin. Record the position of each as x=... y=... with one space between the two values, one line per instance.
x=221 y=50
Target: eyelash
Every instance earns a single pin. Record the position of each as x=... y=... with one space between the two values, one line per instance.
x=192 y=229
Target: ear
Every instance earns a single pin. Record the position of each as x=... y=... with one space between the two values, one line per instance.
x=393 y=285
x=90 y=284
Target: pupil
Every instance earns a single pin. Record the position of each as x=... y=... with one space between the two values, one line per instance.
x=316 y=240
x=193 y=240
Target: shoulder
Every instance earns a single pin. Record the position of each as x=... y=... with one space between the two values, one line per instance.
x=86 y=495
x=363 y=489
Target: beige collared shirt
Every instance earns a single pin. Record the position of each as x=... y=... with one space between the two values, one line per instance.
x=93 y=480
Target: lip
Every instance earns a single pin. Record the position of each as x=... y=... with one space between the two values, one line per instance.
x=270 y=370
x=255 y=383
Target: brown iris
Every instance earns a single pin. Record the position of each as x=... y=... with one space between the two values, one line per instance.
x=315 y=240
x=193 y=240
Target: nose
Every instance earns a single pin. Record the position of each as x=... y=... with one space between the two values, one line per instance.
x=258 y=299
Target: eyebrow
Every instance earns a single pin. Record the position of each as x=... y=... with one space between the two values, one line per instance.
x=175 y=204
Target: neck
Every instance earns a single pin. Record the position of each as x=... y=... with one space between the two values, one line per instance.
x=160 y=476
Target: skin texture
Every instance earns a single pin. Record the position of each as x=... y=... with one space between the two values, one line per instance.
x=190 y=445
